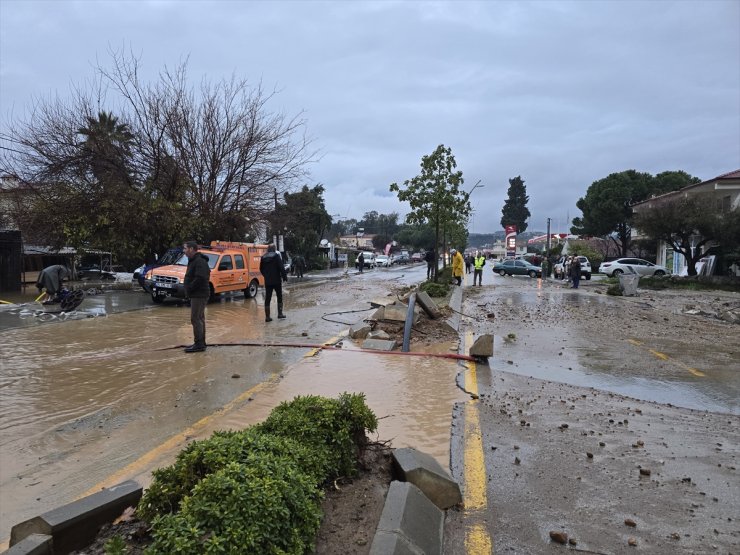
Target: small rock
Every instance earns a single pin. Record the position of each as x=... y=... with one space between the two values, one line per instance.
x=563 y=426
x=304 y=334
x=676 y=536
x=632 y=542
x=645 y=472
x=602 y=444
x=559 y=537
x=572 y=541
x=517 y=460
x=236 y=376
x=590 y=455
x=630 y=522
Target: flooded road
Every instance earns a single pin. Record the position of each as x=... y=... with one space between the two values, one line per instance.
x=102 y=396
x=640 y=347
x=84 y=397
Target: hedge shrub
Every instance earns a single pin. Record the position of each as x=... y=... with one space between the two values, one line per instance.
x=257 y=490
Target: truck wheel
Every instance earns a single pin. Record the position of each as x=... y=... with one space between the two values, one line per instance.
x=251 y=290
x=502 y=273
x=212 y=296
x=156 y=298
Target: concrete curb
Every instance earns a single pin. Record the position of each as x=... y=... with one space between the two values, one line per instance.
x=410 y=523
x=76 y=524
x=35 y=544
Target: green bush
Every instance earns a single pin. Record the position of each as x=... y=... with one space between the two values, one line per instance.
x=257 y=490
x=268 y=506
x=337 y=424
x=435 y=289
x=201 y=458
x=615 y=290
x=445 y=275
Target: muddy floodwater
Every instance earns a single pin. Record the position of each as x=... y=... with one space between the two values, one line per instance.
x=91 y=398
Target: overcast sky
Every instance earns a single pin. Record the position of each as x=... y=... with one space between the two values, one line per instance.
x=561 y=93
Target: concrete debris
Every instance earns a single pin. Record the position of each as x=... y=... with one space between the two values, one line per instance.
x=379 y=345
x=378 y=334
x=559 y=537
x=428 y=305
x=359 y=331
x=427 y=474
x=483 y=346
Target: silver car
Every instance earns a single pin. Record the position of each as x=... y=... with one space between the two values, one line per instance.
x=632 y=265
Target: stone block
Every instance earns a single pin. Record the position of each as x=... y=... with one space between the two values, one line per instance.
x=74 y=525
x=359 y=331
x=396 y=313
x=428 y=305
x=378 y=314
x=415 y=521
x=35 y=544
x=378 y=334
x=482 y=347
x=427 y=474
x=379 y=345
x=387 y=543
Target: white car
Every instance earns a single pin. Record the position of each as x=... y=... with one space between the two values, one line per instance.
x=383 y=261
x=559 y=272
x=632 y=265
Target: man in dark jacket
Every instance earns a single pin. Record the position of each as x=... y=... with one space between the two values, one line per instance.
x=429 y=259
x=197 y=288
x=273 y=270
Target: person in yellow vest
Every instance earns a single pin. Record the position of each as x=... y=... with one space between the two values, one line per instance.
x=478 y=262
x=457 y=266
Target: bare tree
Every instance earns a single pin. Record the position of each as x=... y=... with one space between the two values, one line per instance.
x=206 y=161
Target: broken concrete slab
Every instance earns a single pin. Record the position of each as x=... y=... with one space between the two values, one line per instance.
x=427 y=474
x=378 y=334
x=35 y=544
x=396 y=312
x=428 y=305
x=378 y=314
x=74 y=525
x=359 y=331
x=378 y=345
x=413 y=519
x=482 y=347
x=385 y=301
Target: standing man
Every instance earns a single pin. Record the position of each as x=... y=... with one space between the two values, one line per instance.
x=457 y=266
x=429 y=259
x=198 y=290
x=468 y=262
x=273 y=269
x=361 y=262
x=299 y=263
x=575 y=272
x=50 y=280
x=478 y=262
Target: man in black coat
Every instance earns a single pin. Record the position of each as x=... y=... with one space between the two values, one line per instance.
x=429 y=258
x=273 y=270
x=198 y=290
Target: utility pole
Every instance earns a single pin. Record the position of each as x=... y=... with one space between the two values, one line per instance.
x=547 y=250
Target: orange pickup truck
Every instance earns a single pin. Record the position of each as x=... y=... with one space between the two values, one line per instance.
x=234 y=267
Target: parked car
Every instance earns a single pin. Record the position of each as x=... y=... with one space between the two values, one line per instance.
x=417 y=257
x=170 y=257
x=383 y=261
x=558 y=271
x=632 y=265
x=517 y=268
x=369 y=260
x=402 y=258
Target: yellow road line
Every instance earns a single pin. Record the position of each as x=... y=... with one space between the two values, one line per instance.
x=663 y=356
x=477 y=538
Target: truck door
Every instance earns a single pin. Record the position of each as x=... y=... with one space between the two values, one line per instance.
x=241 y=277
x=225 y=274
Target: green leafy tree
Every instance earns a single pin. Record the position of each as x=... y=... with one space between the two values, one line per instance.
x=515 y=211
x=434 y=195
x=606 y=207
x=302 y=220
x=690 y=223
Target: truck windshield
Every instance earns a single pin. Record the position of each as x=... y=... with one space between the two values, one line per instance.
x=212 y=260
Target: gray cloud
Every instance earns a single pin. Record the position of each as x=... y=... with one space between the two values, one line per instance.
x=561 y=93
